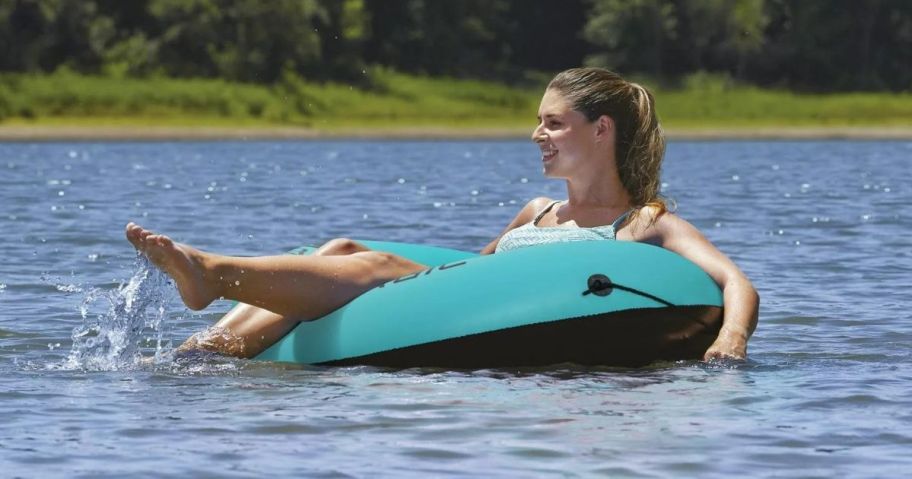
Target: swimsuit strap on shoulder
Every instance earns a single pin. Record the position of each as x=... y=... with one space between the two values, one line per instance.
x=620 y=220
x=542 y=212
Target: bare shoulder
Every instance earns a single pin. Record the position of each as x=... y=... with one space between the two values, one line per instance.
x=662 y=228
x=530 y=210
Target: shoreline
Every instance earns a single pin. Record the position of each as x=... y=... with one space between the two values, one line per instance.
x=29 y=133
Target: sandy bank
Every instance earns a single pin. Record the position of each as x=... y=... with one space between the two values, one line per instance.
x=167 y=133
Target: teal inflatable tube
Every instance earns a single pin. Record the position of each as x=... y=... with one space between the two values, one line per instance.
x=610 y=303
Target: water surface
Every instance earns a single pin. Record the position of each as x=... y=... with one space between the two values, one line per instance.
x=820 y=227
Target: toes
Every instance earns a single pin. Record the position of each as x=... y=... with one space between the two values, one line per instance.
x=132 y=233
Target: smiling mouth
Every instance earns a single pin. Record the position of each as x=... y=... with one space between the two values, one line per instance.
x=548 y=153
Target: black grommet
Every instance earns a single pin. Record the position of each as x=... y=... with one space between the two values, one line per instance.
x=599 y=285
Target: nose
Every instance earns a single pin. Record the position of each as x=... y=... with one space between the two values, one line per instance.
x=537 y=134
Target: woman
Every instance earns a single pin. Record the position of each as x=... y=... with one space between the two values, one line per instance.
x=597 y=131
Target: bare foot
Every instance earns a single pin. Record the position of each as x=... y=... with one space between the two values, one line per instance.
x=182 y=263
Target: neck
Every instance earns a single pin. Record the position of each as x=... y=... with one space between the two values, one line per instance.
x=597 y=191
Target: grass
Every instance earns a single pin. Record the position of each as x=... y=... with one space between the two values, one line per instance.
x=396 y=100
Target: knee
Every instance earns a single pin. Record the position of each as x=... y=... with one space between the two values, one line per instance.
x=381 y=266
x=340 y=246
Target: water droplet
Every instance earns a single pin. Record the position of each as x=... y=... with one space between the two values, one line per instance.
x=718 y=225
x=735 y=177
x=400 y=181
x=60 y=193
x=474 y=192
x=523 y=180
x=437 y=204
x=364 y=216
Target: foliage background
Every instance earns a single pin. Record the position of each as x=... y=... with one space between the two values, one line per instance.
x=311 y=61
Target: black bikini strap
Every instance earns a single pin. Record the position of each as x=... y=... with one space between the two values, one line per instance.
x=542 y=213
x=620 y=220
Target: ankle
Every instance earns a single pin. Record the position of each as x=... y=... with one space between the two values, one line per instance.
x=218 y=274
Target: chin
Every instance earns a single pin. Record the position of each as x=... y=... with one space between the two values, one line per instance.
x=548 y=171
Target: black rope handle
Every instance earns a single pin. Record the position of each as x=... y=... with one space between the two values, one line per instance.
x=601 y=285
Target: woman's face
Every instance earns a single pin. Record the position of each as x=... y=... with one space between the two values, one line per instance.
x=566 y=137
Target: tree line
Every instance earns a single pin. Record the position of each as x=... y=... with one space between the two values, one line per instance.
x=806 y=45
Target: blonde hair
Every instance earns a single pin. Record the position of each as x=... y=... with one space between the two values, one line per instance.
x=639 y=140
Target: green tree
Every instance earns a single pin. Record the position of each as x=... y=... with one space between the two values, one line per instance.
x=440 y=37
x=343 y=31
x=245 y=40
x=837 y=45
x=632 y=35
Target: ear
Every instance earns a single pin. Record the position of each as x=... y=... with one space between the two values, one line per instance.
x=604 y=128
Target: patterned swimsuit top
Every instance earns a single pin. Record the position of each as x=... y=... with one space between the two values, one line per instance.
x=530 y=234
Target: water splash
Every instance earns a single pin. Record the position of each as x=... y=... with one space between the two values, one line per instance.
x=116 y=323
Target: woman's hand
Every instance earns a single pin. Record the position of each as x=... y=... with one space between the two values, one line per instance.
x=727 y=346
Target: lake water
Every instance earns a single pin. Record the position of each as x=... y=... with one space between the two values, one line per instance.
x=822 y=228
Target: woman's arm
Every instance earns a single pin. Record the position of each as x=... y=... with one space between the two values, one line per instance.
x=525 y=215
x=740 y=300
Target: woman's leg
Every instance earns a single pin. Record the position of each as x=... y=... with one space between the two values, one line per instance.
x=248 y=330
x=301 y=287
